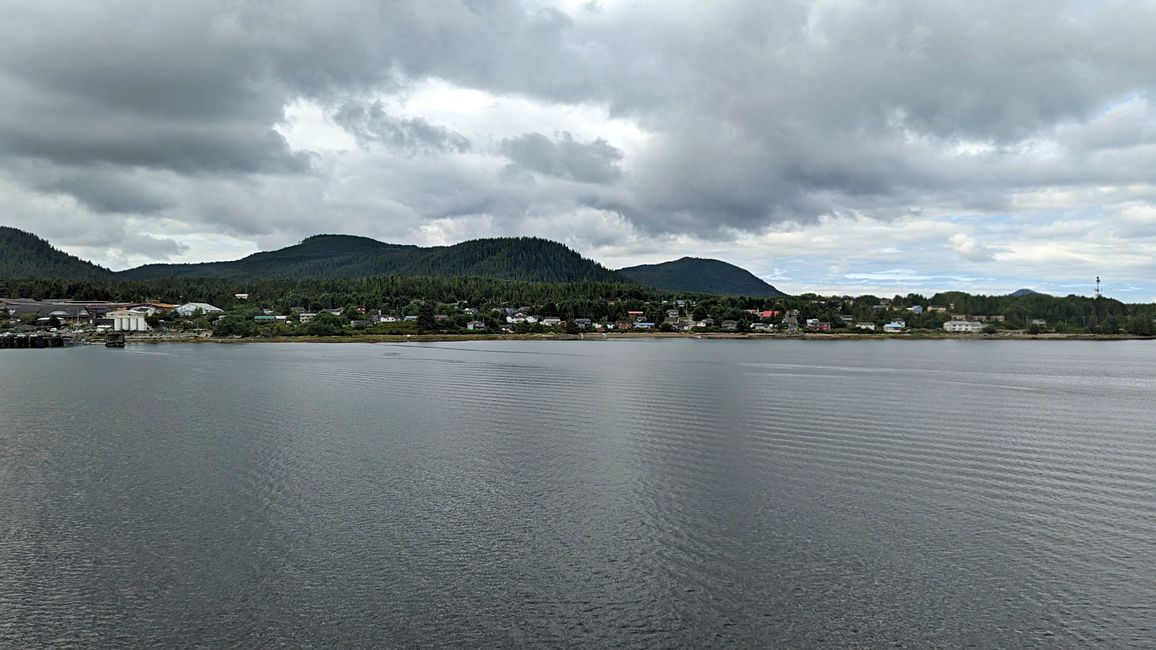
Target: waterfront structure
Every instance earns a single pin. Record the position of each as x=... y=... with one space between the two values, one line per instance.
x=963 y=326
x=128 y=320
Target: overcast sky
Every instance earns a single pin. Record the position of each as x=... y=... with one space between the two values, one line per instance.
x=829 y=146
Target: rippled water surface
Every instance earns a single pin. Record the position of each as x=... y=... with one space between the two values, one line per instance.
x=598 y=494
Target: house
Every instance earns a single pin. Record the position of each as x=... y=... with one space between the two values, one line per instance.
x=730 y=325
x=895 y=326
x=190 y=308
x=763 y=313
x=475 y=325
x=671 y=314
x=937 y=309
x=847 y=318
x=241 y=296
x=551 y=321
x=916 y=309
x=306 y=316
x=582 y=323
x=760 y=327
x=642 y=325
x=816 y=325
x=1038 y=322
x=388 y=319
x=636 y=315
x=870 y=327
x=127 y=320
x=962 y=326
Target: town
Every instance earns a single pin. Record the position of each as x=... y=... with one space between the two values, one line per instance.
x=246 y=317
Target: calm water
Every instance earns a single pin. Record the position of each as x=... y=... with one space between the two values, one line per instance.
x=598 y=494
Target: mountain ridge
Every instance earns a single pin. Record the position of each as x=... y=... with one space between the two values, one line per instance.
x=701 y=275
x=23 y=254
x=336 y=256
x=349 y=256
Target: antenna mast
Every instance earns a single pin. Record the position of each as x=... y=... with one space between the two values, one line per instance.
x=1098 y=294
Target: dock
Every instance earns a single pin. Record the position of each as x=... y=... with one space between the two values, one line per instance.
x=34 y=341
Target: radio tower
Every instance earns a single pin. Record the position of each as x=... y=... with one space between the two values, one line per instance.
x=1097 y=286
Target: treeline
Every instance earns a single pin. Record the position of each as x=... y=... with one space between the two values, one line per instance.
x=388 y=293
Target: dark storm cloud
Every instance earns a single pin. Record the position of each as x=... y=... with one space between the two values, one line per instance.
x=371 y=125
x=564 y=157
x=754 y=112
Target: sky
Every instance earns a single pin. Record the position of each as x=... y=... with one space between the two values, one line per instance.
x=833 y=146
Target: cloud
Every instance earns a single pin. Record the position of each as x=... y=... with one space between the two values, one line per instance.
x=564 y=157
x=370 y=124
x=969 y=248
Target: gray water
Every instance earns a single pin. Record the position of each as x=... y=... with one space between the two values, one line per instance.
x=598 y=494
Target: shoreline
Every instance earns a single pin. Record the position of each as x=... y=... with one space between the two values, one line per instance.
x=623 y=336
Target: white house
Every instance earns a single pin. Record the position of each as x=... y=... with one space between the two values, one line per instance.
x=963 y=326
x=895 y=326
x=475 y=325
x=865 y=326
x=128 y=320
x=190 y=308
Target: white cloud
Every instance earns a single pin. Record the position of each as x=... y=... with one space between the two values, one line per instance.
x=969 y=248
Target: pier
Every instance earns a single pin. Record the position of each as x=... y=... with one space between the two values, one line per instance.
x=33 y=342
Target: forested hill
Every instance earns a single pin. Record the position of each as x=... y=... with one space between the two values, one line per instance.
x=1023 y=293
x=698 y=275
x=344 y=256
x=320 y=256
x=24 y=255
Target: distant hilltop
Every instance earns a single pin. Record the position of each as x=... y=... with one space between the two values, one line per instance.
x=700 y=275
x=1023 y=293
x=333 y=256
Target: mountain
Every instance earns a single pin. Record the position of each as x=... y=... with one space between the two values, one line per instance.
x=1023 y=293
x=320 y=256
x=24 y=255
x=694 y=274
x=345 y=256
